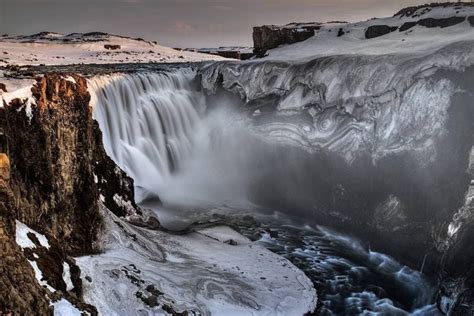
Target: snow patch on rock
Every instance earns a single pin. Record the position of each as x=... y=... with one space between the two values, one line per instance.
x=25 y=95
x=39 y=276
x=24 y=241
x=67 y=277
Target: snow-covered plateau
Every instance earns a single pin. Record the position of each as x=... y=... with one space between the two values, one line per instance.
x=49 y=48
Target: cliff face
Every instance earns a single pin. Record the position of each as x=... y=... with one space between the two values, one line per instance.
x=269 y=36
x=415 y=208
x=54 y=183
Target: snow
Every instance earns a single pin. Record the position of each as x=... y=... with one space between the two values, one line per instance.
x=197 y=272
x=23 y=93
x=353 y=42
x=39 y=276
x=224 y=234
x=67 y=277
x=79 y=48
x=64 y=308
x=24 y=241
x=70 y=79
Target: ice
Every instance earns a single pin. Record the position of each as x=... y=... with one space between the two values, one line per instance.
x=199 y=271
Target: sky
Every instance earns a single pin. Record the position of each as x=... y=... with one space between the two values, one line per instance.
x=183 y=23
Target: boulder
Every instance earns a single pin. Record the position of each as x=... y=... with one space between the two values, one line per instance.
x=379 y=30
x=471 y=20
x=446 y=22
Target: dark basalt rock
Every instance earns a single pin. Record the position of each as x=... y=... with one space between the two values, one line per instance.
x=407 y=26
x=95 y=34
x=430 y=22
x=410 y=11
x=471 y=20
x=268 y=36
x=112 y=46
x=374 y=31
x=380 y=30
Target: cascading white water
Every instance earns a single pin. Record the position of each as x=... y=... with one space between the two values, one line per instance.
x=148 y=121
x=154 y=127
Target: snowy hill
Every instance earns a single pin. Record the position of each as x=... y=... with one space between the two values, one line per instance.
x=415 y=29
x=50 y=48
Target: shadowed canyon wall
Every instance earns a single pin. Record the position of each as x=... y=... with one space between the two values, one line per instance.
x=58 y=176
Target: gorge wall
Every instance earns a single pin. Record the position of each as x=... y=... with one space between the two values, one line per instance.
x=386 y=148
x=57 y=178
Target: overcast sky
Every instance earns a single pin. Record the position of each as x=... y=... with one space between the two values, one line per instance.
x=183 y=23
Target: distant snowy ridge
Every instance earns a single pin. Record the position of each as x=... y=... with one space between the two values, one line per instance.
x=50 y=48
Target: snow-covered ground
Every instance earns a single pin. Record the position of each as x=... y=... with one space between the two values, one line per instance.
x=210 y=271
x=418 y=38
x=90 y=48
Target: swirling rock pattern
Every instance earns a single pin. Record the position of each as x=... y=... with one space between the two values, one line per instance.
x=148 y=272
x=403 y=125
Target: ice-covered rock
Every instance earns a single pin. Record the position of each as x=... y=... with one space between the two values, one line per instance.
x=143 y=271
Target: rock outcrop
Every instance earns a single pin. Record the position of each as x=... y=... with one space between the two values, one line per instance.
x=379 y=30
x=53 y=181
x=266 y=37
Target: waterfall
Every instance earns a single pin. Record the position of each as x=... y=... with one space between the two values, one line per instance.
x=158 y=128
x=148 y=122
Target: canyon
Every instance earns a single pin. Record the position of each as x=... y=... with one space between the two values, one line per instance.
x=333 y=175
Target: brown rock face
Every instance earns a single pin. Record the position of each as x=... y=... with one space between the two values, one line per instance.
x=19 y=292
x=52 y=180
x=52 y=163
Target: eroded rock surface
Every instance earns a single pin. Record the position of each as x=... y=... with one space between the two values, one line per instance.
x=52 y=180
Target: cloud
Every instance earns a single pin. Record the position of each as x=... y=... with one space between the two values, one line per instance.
x=181 y=27
x=221 y=7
